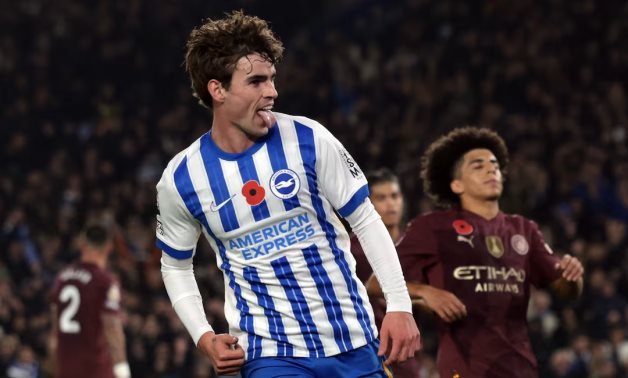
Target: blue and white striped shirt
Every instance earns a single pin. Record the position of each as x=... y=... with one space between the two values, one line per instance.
x=268 y=212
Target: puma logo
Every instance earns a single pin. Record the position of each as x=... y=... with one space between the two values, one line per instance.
x=468 y=240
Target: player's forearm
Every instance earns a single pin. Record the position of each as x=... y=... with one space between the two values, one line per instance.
x=114 y=334
x=567 y=290
x=186 y=299
x=380 y=251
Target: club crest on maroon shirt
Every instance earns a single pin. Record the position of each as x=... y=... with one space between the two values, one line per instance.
x=494 y=246
x=519 y=244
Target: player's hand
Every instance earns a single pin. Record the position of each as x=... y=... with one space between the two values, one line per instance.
x=570 y=267
x=400 y=338
x=444 y=303
x=226 y=356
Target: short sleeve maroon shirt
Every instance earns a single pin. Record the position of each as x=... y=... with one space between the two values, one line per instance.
x=489 y=265
x=82 y=293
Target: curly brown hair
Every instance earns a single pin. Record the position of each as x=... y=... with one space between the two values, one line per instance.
x=442 y=158
x=214 y=48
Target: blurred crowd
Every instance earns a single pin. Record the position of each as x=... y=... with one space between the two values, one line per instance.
x=95 y=102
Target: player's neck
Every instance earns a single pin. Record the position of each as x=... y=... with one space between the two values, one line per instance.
x=487 y=209
x=230 y=138
x=394 y=231
x=94 y=257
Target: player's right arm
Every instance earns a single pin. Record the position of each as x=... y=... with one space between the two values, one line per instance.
x=177 y=234
x=417 y=251
x=444 y=303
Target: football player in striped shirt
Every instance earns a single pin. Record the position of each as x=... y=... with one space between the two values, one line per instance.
x=262 y=187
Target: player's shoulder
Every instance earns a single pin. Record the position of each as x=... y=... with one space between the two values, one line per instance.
x=427 y=223
x=295 y=121
x=435 y=218
x=183 y=155
x=520 y=221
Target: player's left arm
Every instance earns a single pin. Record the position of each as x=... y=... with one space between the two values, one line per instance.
x=399 y=335
x=564 y=275
x=570 y=284
x=114 y=335
x=114 y=332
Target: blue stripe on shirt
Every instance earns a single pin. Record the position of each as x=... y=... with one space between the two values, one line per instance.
x=218 y=186
x=354 y=202
x=184 y=186
x=177 y=254
x=326 y=290
x=275 y=324
x=278 y=161
x=307 y=148
x=248 y=173
x=299 y=306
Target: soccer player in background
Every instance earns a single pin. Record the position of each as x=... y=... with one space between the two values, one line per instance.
x=87 y=334
x=387 y=198
x=262 y=187
x=473 y=264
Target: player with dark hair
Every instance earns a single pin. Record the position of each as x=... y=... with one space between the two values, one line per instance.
x=88 y=338
x=387 y=198
x=473 y=265
x=263 y=187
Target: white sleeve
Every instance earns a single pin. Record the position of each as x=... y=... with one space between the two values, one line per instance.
x=381 y=254
x=341 y=180
x=177 y=230
x=178 y=276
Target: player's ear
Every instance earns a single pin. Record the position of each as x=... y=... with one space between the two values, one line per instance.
x=216 y=90
x=457 y=186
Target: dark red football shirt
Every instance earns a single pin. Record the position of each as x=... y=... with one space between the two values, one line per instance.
x=410 y=368
x=82 y=293
x=489 y=266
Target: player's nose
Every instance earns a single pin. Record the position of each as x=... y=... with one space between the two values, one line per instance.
x=270 y=91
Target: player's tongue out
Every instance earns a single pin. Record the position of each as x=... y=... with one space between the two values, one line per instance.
x=267 y=116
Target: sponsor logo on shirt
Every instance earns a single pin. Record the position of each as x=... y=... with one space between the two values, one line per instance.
x=284 y=183
x=494 y=245
x=351 y=164
x=160 y=226
x=491 y=279
x=273 y=238
x=213 y=207
x=520 y=244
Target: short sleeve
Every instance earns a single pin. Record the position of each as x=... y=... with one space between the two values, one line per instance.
x=177 y=230
x=542 y=258
x=417 y=250
x=340 y=177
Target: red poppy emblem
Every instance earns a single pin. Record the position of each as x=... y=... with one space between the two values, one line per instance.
x=463 y=227
x=253 y=192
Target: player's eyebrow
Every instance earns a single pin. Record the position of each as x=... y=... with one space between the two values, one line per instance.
x=481 y=161
x=253 y=78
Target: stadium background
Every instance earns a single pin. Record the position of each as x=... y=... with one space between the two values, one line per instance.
x=95 y=102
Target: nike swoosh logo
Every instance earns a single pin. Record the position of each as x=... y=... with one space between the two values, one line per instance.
x=213 y=207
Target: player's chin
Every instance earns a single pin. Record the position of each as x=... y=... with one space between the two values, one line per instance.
x=495 y=196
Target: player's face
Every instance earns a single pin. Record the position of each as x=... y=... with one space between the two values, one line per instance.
x=479 y=176
x=251 y=96
x=388 y=202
